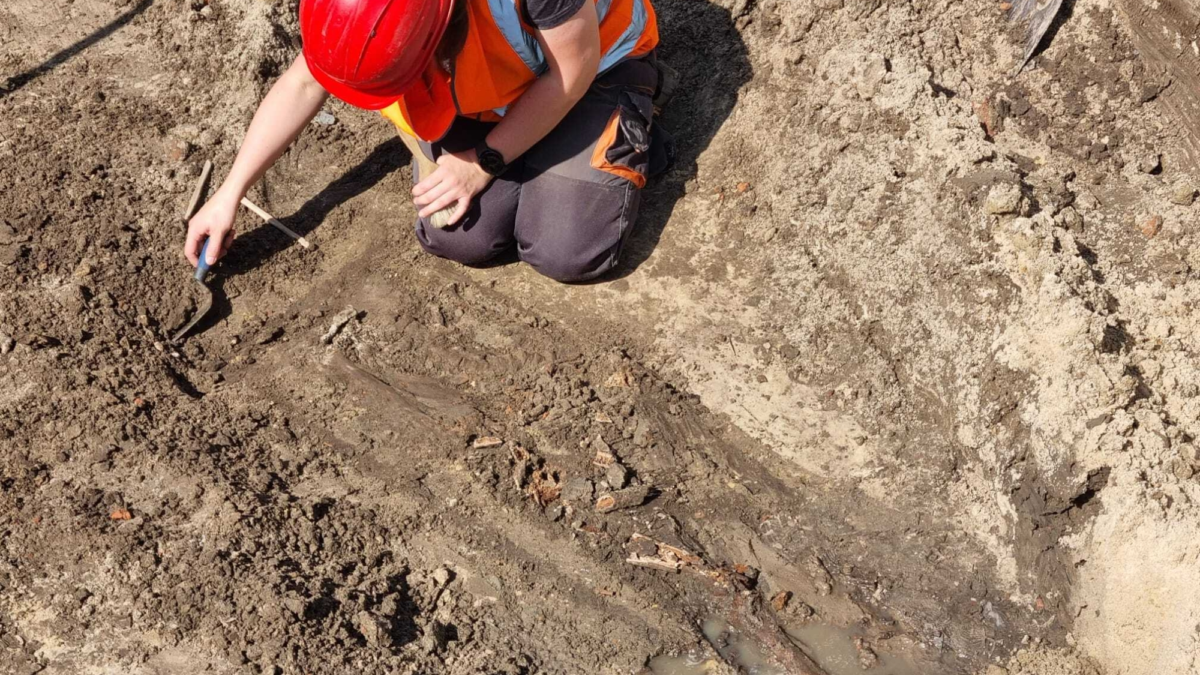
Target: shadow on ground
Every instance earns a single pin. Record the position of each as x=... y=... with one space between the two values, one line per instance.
x=700 y=41
x=17 y=81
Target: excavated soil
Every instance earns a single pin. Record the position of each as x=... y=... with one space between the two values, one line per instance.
x=899 y=374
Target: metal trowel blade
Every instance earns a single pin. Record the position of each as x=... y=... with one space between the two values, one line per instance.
x=205 y=305
x=1038 y=14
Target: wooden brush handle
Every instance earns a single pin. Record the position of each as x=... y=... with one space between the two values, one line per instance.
x=426 y=166
x=197 y=192
x=271 y=220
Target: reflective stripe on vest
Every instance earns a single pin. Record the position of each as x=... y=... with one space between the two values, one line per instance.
x=602 y=8
x=506 y=14
x=628 y=40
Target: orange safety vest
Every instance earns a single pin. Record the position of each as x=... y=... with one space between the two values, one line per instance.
x=501 y=58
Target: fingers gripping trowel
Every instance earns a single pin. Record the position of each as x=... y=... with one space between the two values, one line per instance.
x=1038 y=14
x=204 y=293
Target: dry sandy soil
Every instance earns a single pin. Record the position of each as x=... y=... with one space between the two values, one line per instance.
x=902 y=366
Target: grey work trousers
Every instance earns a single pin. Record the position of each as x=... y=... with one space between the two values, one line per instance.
x=569 y=203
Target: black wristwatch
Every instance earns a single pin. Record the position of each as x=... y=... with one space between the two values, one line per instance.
x=490 y=159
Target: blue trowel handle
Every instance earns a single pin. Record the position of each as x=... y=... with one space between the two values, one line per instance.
x=202 y=263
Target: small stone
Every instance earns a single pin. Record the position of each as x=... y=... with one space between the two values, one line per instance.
x=179 y=150
x=989 y=117
x=618 y=380
x=779 y=603
x=270 y=335
x=1003 y=199
x=325 y=119
x=1152 y=225
x=7 y=343
x=442 y=576
x=1183 y=194
x=867 y=658
x=1150 y=163
x=1069 y=218
x=604 y=455
x=373 y=628
x=1182 y=468
x=750 y=573
x=339 y=322
x=641 y=433
x=206 y=11
x=390 y=605
x=578 y=490
x=617 y=475
x=1149 y=92
x=800 y=610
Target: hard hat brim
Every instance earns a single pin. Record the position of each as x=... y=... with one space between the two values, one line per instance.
x=356 y=98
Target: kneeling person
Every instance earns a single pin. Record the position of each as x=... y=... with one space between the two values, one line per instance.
x=538 y=112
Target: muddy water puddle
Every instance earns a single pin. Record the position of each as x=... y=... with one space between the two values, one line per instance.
x=734 y=650
x=831 y=647
x=833 y=650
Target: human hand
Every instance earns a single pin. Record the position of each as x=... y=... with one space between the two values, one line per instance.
x=213 y=221
x=456 y=182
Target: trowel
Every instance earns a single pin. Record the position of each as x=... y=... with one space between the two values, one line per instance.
x=1038 y=15
x=204 y=293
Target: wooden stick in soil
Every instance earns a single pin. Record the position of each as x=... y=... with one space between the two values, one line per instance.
x=426 y=166
x=278 y=225
x=198 y=191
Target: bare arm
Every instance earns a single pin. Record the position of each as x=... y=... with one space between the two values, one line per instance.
x=572 y=50
x=293 y=101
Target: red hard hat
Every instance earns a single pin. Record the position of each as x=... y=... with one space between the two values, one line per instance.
x=368 y=52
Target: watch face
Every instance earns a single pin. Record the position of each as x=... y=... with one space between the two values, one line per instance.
x=491 y=161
